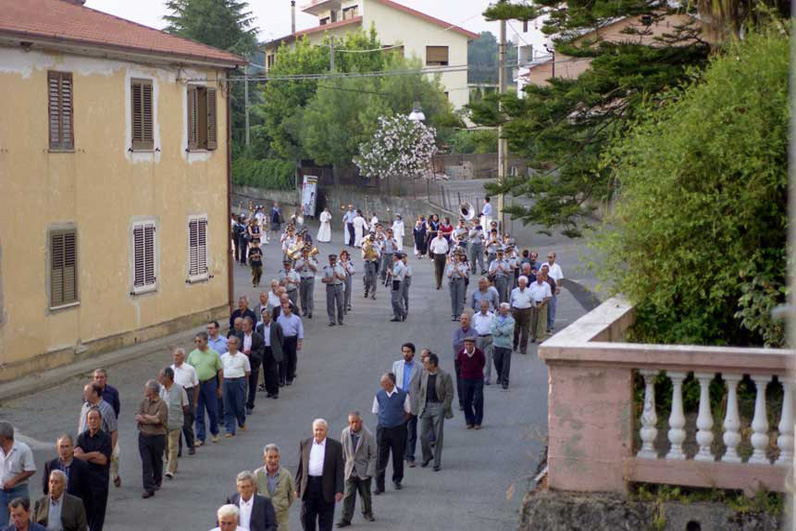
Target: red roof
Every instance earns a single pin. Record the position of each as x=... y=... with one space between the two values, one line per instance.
x=429 y=18
x=62 y=21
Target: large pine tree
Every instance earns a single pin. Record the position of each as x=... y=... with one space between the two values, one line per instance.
x=224 y=24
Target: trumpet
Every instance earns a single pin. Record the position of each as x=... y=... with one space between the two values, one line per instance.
x=467 y=210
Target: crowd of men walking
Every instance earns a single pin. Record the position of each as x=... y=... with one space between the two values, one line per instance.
x=215 y=386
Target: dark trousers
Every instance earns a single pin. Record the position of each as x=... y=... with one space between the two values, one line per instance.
x=473 y=401
x=522 y=328
x=502 y=357
x=290 y=357
x=439 y=268
x=254 y=376
x=238 y=248
x=151 y=448
x=353 y=485
x=257 y=273
x=270 y=372
x=188 y=419
x=96 y=503
x=242 y=246
x=208 y=400
x=234 y=403
x=315 y=511
x=411 y=437
x=351 y=234
x=390 y=440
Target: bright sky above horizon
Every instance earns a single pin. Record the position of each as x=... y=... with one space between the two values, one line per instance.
x=273 y=16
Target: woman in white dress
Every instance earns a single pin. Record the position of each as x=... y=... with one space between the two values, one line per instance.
x=374 y=220
x=360 y=228
x=398 y=230
x=325 y=231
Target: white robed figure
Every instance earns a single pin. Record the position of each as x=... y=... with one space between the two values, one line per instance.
x=398 y=230
x=360 y=228
x=325 y=230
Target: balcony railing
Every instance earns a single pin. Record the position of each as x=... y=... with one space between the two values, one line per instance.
x=602 y=439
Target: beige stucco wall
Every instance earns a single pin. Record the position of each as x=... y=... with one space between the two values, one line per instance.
x=394 y=26
x=101 y=189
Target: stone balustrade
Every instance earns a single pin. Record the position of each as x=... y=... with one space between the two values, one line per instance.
x=601 y=441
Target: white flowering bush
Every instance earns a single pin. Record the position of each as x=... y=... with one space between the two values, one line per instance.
x=399 y=147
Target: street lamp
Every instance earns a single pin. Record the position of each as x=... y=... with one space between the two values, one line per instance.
x=417 y=114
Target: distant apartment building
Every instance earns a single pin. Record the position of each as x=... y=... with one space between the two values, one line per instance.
x=537 y=63
x=114 y=223
x=408 y=31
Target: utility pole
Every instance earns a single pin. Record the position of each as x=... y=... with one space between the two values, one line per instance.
x=331 y=54
x=503 y=147
x=246 y=106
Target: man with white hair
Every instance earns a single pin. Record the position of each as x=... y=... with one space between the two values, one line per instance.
x=521 y=305
x=255 y=512
x=482 y=322
x=16 y=468
x=542 y=295
x=59 y=510
x=319 y=478
x=228 y=518
x=502 y=334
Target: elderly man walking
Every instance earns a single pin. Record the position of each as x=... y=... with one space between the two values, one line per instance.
x=207 y=364
x=185 y=375
x=276 y=484
x=151 y=418
x=273 y=338
x=94 y=447
x=59 y=510
x=472 y=361
x=502 y=337
x=407 y=372
x=461 y=332
x=228 y=517
x=359 y=451
x=521 y=301
x=177 y=405
x=434 y=396
x=541 y=294
x=482 y=322
x=319 y=478
x=16 y=468
x=236 y=369
x=392 y=407
x=554 y=270
x=110 y=395
x=256 y=513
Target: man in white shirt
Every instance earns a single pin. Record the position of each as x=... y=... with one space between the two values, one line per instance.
x=320 y=477
x=482 y=322
x=554 y=271
x=521 y=307
x=228 y=519
x=185 y=375
x=407 y=372
x=255 y=512
x=236 y=370
x=439 y=250
x=16 y=467
x=486 y=213
x=542 y=294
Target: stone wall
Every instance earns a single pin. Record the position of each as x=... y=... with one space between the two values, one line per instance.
x=560 y=511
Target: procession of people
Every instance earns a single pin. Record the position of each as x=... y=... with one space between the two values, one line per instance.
x=214 y=386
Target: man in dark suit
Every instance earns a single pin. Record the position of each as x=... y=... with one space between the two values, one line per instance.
x=242 y=311
x=273 y=337
x=433 y=396
x=319 y=478
x=256 y=513
x=252 y=345
x=66 y=508
x=76 y=471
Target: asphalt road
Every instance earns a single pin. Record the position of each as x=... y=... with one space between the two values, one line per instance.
x=484 y=473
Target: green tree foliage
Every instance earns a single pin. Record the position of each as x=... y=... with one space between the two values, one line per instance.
x=473 y=141
x=698 y=236
x=224 y=24
x=327 y=119
x=268 y=173
x=482 y=58
x=565 y=127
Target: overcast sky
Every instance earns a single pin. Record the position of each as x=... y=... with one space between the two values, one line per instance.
x=273 y=16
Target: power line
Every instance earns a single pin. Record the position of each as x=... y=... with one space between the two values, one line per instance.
x=344 y=75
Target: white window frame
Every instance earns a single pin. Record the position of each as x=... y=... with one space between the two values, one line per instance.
x=199 y=277
x=153 y=286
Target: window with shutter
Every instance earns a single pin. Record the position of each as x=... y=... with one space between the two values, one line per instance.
x=60 y=110
x=202 y=119
x=193 y=119
x=197 y=249
x=141 y=110
x=212 y=141
x=437 y=55
x=144 y=274
x=63 y=268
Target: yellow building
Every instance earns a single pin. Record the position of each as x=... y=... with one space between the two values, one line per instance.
x=407 y=31
x=114 y=183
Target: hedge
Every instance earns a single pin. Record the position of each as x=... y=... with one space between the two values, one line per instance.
x=271 y=174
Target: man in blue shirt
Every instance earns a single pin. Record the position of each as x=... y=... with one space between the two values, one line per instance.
x=293 y=331
x=406 y=372
x=111 y=396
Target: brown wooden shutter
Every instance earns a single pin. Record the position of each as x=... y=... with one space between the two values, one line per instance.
x=193 y=119
x=202 y=247
x=141 y=111
x=60 y=110
x=197 y=236
x=149 y=254
x=138 y=257
x=437 y=55
x=63 y=268
x=212 y=138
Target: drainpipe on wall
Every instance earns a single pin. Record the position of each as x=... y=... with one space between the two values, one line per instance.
x=230 y=254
